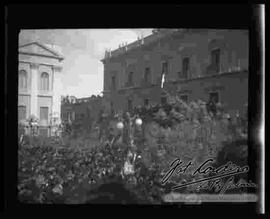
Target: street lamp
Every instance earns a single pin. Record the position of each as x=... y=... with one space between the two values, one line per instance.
x=33 y=123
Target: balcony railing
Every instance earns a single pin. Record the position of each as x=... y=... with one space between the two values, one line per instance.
x=183 y=75
x=130 y=84
x=145 y=83
x=212 y=69
x=113 y=88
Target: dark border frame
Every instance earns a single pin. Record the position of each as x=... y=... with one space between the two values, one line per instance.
x=126 y=16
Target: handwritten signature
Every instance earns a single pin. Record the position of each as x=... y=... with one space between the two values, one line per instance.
x=229 y=169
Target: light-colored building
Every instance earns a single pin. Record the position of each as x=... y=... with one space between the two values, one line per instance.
x=39 y=81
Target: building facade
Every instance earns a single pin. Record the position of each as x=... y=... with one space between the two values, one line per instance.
x=81 y=110
x=39 y=81
x=197 y=64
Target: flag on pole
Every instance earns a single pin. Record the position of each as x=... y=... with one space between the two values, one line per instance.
x=162 y=79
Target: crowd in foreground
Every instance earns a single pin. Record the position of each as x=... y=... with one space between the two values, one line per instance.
x=66 y=175
x=116 y=170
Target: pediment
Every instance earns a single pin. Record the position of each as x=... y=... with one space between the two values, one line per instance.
x=39 y=49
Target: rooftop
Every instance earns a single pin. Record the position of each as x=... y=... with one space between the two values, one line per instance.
x=41 y=49
x=156 y=35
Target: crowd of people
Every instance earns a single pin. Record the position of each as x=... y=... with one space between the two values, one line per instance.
x=128 y=126
x=147 y=113
x=124 y=124
x=69 y=175
x=119 y=158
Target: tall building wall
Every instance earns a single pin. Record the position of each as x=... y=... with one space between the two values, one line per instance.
x=195 y=44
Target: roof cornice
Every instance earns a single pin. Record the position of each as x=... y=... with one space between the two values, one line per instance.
x=55 y=55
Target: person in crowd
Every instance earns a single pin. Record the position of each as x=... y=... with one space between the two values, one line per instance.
x=103 y=120
x=211 y=107
x=127 y=128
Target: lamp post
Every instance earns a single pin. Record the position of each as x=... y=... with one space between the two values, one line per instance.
x=33 y=124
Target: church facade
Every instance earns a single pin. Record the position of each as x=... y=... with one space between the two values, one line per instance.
x=39 y=86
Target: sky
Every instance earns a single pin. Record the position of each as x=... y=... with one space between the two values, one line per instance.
x=82 y=74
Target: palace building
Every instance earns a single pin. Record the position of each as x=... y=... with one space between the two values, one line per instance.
x=197 y=64
x=39 y=85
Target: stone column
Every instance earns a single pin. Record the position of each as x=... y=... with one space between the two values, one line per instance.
x=57 y=91
x=34 y=89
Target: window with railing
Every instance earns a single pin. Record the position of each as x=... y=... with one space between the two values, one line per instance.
x=130 y=81
x=130 y=104
x=82 y=116
x=112 y=105
x=130 y=77
x=147 y=75
x=165 y=68
x=185 y=68
x=215 y=60
x=113 y=84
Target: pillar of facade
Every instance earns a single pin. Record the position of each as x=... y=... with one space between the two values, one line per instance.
x=34 y=89
x=57 y=91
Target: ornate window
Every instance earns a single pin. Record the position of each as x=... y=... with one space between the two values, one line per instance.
x=130 y=104
x=22 y=79
x=44 y=81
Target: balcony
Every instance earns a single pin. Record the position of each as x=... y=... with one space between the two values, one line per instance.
x=145 y=83
x=212 y=69
x=183 y=75
x=129 y=84
x=113 y=88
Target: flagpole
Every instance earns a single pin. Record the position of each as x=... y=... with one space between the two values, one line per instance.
x=162 y=83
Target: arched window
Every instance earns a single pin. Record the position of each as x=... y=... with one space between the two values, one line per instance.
x=44 y=81
x=23 y=79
